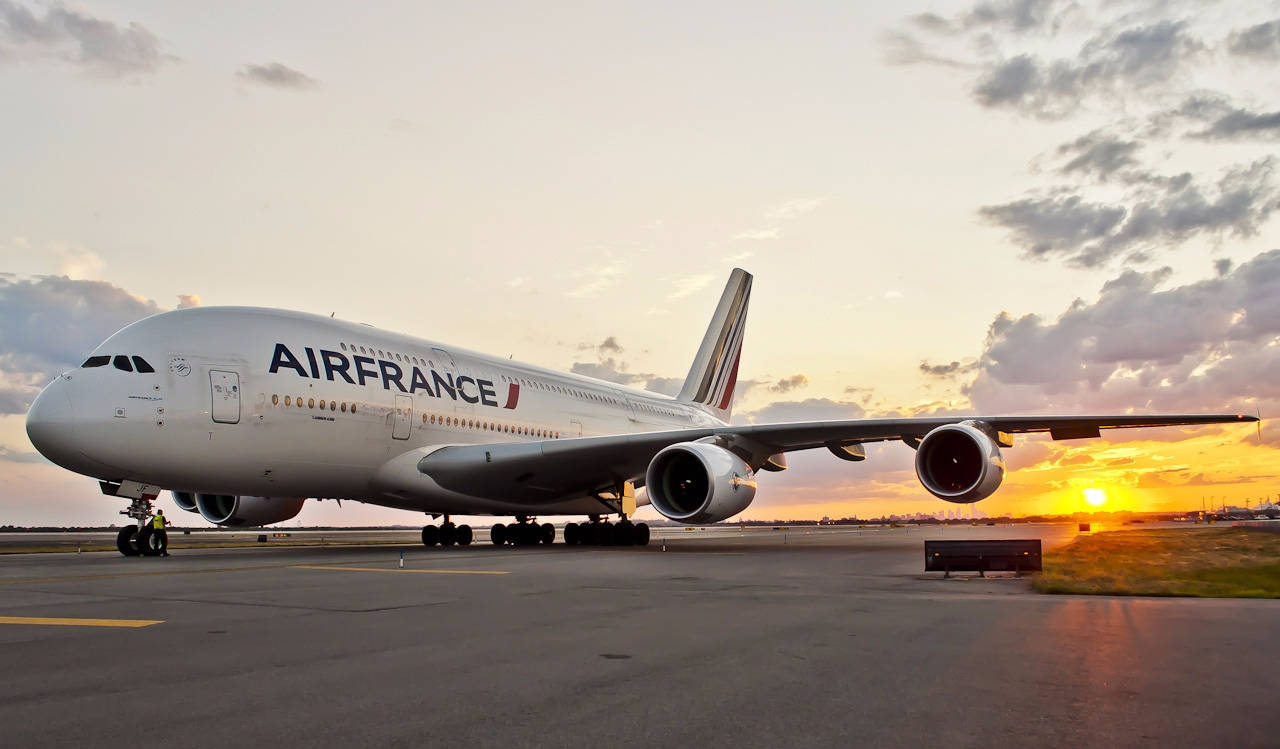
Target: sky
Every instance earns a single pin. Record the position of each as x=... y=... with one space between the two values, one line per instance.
x=1022 y=206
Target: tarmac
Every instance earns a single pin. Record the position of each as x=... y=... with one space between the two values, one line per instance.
x=797 y=637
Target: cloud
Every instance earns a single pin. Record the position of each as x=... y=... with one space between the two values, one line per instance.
x=1209 y=345
x=598 y=278
x=771 y=232
x=810 y=409
x=48 y=324
x=1098 y=154
x=79 y=263
x=946 y=370
x=1162 y=213
x=1223 y=120
x=683 y=287
x=98 y=46
x=277 y=75
x=787 y=384
x=1131 y=60
x=904 y=49
x=793 y=208
x=186 y=301
x=1260 y=42
x=611 y=369
x=8 y=454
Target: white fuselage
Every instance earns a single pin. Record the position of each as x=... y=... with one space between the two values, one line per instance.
x=265 y=402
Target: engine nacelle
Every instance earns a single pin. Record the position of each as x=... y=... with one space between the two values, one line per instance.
x=697 y=482
x=959 y=463
x=225 y=509
x=185 y=501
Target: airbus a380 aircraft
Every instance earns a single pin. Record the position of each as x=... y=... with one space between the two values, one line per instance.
x=244 y=413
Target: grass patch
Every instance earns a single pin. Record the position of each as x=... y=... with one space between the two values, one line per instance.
x=1206 y=563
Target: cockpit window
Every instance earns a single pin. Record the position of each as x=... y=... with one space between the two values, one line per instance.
x=97 y=361
x=141 y=365
x=122 y=363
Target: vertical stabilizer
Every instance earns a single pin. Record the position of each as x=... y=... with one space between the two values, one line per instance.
x=714 y=374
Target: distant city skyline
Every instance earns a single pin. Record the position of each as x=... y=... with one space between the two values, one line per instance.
x=1013 y=206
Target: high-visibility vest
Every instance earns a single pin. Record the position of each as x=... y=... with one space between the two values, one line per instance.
x=158 y=522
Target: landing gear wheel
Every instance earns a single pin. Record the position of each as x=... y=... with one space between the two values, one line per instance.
x=624 y=534
x=605 y=538
x=462 y=535
x=498 y=534
x=430 y=535
x=641 y=532
x=149 y=542
x=571 y=534
x=448 y=535
x=548 y=534
x=127 y=541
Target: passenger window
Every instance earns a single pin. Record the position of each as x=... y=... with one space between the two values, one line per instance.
x=275 y=399
x=122 y=363
x=353 y=408
x=333 y=405
x=299 y=401
x=344 y=407
x=288 y=401
x=343 y=345
x=96 y=361
x=311 y=403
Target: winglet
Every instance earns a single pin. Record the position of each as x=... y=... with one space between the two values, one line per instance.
x=714 y=373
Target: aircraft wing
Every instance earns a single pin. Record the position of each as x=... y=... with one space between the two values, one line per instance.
x=548 y=471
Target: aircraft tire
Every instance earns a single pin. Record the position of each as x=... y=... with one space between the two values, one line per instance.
x=548 y=534
x=571 y=534
x=448 y=535
x=430 y=535
x=642 y=534
x=127 y=541
x=463 y=535
x=498 y=534
x=624 y=534
x=146 y=542
x=605 y=537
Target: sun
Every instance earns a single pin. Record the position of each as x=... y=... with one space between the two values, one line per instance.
x=1095 y=497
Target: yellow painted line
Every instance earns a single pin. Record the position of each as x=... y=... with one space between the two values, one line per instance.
x=393 y=569
x=57 y=622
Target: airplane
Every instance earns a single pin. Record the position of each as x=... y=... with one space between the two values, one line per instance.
x=244 y=413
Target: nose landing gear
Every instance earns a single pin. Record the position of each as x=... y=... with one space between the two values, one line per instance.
x=141 y=539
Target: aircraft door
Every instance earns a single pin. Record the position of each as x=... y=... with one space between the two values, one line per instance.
x=444 y=361
x=403 y=423
x=224 y=389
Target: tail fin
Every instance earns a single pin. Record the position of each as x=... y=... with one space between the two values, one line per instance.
x=714 y=374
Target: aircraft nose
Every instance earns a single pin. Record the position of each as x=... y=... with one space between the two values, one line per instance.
x=51 y=422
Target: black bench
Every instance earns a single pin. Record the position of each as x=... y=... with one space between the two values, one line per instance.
x=1005 y=555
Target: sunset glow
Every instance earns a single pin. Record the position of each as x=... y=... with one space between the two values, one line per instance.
x=1095 y=497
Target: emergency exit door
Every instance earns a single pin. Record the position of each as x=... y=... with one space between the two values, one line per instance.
x=403 y=418
x=224 y=387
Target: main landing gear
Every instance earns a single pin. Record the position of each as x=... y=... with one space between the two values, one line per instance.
x=446 y=534
x=604 y=533
x=522 y=533
x=141 y=539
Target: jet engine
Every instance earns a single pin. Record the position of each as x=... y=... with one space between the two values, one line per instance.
x=960 y=463
x=698 y=482
x=225 y=509
x=185 y=501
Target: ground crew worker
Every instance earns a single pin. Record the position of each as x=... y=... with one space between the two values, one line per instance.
x=158 y=525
